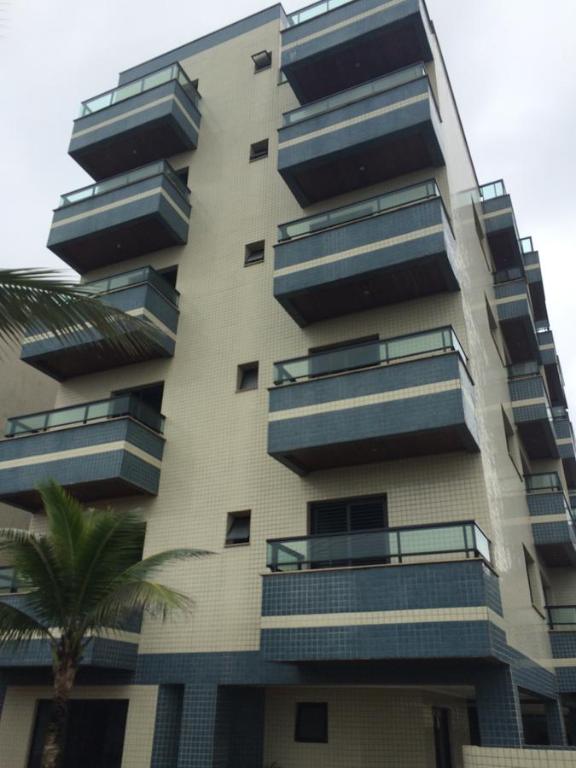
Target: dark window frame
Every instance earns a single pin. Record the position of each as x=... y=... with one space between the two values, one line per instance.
x=252 y=251
x=266 y=56
x=301 y=708
x=245 y=514
x=259 y=150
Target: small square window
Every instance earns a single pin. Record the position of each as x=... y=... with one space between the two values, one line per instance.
x=247 y=377
x=254 y=253
x=259 y=150
x=262 y=60
x=311 y=722
x=238 y=528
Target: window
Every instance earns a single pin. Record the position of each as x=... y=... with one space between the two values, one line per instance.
x=182 y=174
x=442 y=745
x=512 y=443
x=238 y=528
x=94 y=737
x=258 y=150
x=254 y=253
x=495 y=332
x=247 y=377
x=169 y=274
x=262 y=60
x=311 y=722
x=348 y=515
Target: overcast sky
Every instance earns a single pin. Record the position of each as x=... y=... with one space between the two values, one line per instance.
x=512 y=64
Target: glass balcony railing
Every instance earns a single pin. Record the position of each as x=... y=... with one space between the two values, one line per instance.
x=116 y=407
x=492 y=190
x=544 y=481
x=8 y=583
x=560 y=412
x=356 y=211
x=369 y=354
x=377 y=547
x=508 y=275
x=123 y=180
x=135 y=87
x=316 y=9
x=526 y=245
x=520 y=370
x=130 y=279
x=561 y=616
x=359 y=92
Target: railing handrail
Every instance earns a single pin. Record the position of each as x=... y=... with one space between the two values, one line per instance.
x=157 y=168
x=350 y=91
x=170 y=292
x=311 y=6
x=132 y=400
x=552 y=475
x=457 y=347
x=474 y=543
x=510 y=275
x=175 y=67
x=499 y=183
x=430 y=184
x=552 y=622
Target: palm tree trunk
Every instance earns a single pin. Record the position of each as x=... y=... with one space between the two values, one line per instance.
x=64 y=678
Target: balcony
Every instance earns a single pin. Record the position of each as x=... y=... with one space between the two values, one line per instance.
x=376 y=131
x=552 y=519
x=394 y=247
x=500 y=224
x=387 y=578
x=119 y=651
x=562 y=623
x=532 y=412
x=148 y=119
x=336 y=44
x=123 y=217
x=552 y=368
x=103 y=449
x=515 y=315
x=533 y=272
x=565 y=442
x=141 y=293
x=372 y=402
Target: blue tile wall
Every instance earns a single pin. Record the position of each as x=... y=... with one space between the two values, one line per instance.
x=407 y=587
x=563 y=645
x=551 y=533
x=498 y=707
x=167 y=726
x=198 y=726
x=546 y=504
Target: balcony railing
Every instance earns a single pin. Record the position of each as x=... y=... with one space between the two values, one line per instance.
x=8 y=583
x=369 y=354
x=519 y=370
x=350 y=95
x=356 y=211
x=508 y=275
x=125 y=179
x=316 y=9
x=377 y=547
x=135 y=87
x=116 y=407
x=492 y=190
x=544 y=481
x=526 y=245
x=561 y=616
x=560 y=412
x=142 y=276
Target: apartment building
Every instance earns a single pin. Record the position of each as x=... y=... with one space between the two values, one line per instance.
x=355 y=403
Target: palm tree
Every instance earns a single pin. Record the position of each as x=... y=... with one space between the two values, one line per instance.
x=85 y=577
x=45 y=300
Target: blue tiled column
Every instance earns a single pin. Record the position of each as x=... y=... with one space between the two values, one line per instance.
x=555 y=722
x=498 y=705
x=198 y=725
x=167 y=726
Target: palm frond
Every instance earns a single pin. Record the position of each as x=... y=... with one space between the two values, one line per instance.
x=18 y=627
x=44 y=301
x=150 y=566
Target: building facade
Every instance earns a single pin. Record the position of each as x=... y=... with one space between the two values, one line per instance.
x=355 y=403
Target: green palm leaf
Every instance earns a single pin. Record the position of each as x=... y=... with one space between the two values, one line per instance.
x=43 y=301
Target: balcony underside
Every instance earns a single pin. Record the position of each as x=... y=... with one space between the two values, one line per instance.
x=148 y=127
x=62 y=360
x=502 y=232
x=520 y=337
x=312 y=290
x=370 y=451
x=538 y=439
x=555 y=542
x=361 y=165
x=318 y=61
